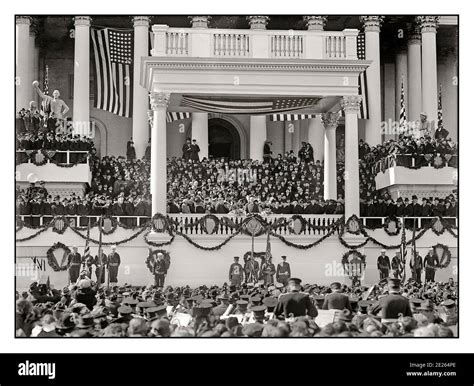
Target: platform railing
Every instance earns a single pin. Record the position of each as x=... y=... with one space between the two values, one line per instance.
x=68 y=153
x=419 y=222
x=415 y=161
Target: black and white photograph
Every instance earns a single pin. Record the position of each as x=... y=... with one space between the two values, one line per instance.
x=245 y=176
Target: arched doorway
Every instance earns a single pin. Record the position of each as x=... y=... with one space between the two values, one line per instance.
x=224 y=139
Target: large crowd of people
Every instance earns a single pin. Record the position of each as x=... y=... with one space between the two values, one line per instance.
x=388 y=309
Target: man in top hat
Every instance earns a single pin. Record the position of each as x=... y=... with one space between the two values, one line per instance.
x=113 y=263
x=430 y=264
x=383 y=264
x=236 y=272
x=397 y=266
x=416 y=266
x=195 y=151
x=74 y=261
x=251 y=270
x=393 y=304
x=159 y=269
x=268 y=270
x=283 y=272
x=187 y=149
x=336 y=300
x=295 y=303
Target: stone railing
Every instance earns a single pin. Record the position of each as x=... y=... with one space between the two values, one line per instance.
x=415 y=161
x=419 y=222
x=218 y=43
x=53 y=156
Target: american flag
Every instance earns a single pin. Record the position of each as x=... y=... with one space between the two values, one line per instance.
x=403 y=251
x=403 y=112
x=113 y=56
x=46 y=81
x=440 y=108
x=290 y=117
x=364 y=107
x=87 y=250
x=177 y=116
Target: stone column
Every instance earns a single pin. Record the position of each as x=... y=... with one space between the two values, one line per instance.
x=140 y=94
x=200 y=132
x=329 y=121
x=296 y=137
x=401 y=70
x=351 y=105
x=316 y=137
x=429 y=81
x=159 y=104
x=23 y=59
x=81 y=114
x=33 y=71
x=372 y=25
x=258 y=136
x=414 y=77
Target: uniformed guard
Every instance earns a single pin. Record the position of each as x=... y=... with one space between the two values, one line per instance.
x=383 y=264
x=283 y=272
x=74 y=262
x=268 y=270
x=397 y=266
x=113 y=263
x=295 y=303
x=430 y=264
x=393 y=304
x=236 y=272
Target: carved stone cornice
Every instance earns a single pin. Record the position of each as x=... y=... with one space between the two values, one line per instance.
x=141 y=21
x=159 y=100
x=82 y=20
x=200 y=21
x=330 y=120
x=372 y=23
x=351 y=103
x=23 y=20
x=315 y=23
x=258 y=22
x=428 y=23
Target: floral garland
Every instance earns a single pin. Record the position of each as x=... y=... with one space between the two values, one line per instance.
x=32 y=236
x=113 y=227
x=214 y=219
x=215 y=248
x=19 y=224
x=57 y=221
x=53 y=263
x=398 y=226
x=158 y=245
x=445 y=259
x=303 y=247
x=132 y=237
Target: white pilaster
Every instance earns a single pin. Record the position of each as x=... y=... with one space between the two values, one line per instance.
x=330 y=121
x=258 y=136
x=140 y=94
x=200 y=132
x=159 y=104
x=414 y=77
x=296 y=137
x=401 y=72
x=22 y=62
x=372 y=52
x=351 y=105
x=429 y=81
x=316 y=137
x=81 y=114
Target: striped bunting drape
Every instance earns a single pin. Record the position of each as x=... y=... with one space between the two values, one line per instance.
x=290 y=117
x=364 y=107
x=176 y=116
x=113 y=66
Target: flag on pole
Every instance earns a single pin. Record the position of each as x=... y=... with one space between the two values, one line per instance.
x=364 y=106
x=440 y=108
x=403 y=111
x=413 y=259
x=87 y=250
x=46 y=81
x=268 y=251
x=403 y=251
x=113 y=57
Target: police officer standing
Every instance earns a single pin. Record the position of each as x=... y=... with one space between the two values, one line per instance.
x=74 y=262
x=236 y=272
x=283 y=272
x=393 y=304
x=113 y=263
x=295 y=303
x=430 y=264
x=383 y=264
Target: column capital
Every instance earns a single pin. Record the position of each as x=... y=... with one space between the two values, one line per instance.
x=330 y=119
x=351 y=103
x=315 y=23
x=150 y=117
x=200 y=21
x=372 y=23
x=82 y=20
x=258 y=22
x=159 y=100
x=414 y=38
x=428 y=23
x=141 y=21
x=23 y=20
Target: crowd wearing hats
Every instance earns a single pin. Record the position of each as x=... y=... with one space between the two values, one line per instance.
x=388 y=309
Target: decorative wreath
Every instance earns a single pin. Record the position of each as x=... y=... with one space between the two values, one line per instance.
x=354 y=225
x=254 y=225
x=157 y=219
x=210 y=223
x=298 y=224
x=60 y=224
x=113 y=223
x=445 y=259
x=387 y=223
x=437 y=226
x=151 y=258
x=53 y=263
x=345 y=258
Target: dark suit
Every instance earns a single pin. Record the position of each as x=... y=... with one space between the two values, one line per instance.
x=337 y=301
x=383 y=265
x=392 y=305
x=295 y=304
